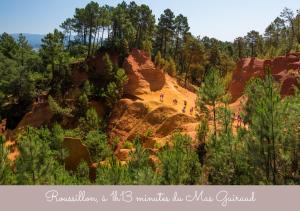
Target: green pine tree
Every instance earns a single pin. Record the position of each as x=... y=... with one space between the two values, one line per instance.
x=211 y=93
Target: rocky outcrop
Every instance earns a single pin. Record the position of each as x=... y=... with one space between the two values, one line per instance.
x=77 y=152
x=39 y=115
x=143 y=76
x=285 y=70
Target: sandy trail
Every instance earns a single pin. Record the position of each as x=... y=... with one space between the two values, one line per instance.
x=171 y=90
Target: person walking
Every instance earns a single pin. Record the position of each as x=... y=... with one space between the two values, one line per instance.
x=191 y=110
x=185 y=103
x=175 y=101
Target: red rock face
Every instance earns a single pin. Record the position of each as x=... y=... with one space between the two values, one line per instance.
x=77 y=152
x=285 y=70
x=141 y=111
x=143 y=76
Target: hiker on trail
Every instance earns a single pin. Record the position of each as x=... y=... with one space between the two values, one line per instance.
x=175 y=102
x=161 y=97
x=191 y=110
x=185 y=103
x=239 y=119
x=183 y=109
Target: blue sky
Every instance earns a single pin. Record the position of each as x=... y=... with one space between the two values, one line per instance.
x=222 y=19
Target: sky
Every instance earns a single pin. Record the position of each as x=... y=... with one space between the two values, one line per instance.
x=222 y=19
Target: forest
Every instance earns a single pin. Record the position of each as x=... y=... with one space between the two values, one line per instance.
x=264 y=150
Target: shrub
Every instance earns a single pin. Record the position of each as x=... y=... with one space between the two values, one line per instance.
x=170 y=67
x=127 y=145
x=180 y=163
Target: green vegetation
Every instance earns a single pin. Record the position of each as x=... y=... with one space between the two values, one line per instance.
x=211 y=93
x=6 y=174
x=280 y=37
x=264 y=152
x=179 y=163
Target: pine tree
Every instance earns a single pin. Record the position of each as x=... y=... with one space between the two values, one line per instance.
x=82 y=174
x=114 y=90
x=147 y=46
x=7 y=176
x=158 y=60
x=87 y=88
x=211 y=93
x=139 y=166
x=181 y=30
x=265 y=115
x=166 y=27
x=56 y=145
x=98 y=146
x=290 y=156
x=91 y=122
x=170 y=67
x=36 y=164
x=59 y=112
x=91 y=13
x=67 y=26
x=23 y=48
x=179 y=163
x=192 y=55
x=8 y=46
x=54 y=57
x=82 y=105
x=108 y=67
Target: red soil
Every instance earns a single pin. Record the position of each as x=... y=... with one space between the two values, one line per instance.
x=142 y=111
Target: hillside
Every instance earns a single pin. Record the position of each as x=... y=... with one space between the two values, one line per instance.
x=142 y=111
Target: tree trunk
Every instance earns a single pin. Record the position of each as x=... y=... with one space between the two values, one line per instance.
x=273 y=136
x=137 y=38
x=108 y=33
x=162 y=44
x=94 y=46
x=269 y=160
x=97 y=39
x=215 y=122
x=84 y=35
x=187 y=70
x=102 y=35
x=90 y=41
x=22 y=57
x=70 y=34
x=176 y=48
x=165 y=44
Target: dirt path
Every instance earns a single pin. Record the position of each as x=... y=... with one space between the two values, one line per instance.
x=171 y=91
